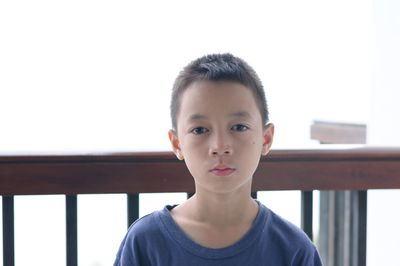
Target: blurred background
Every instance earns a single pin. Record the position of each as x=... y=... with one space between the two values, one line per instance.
x=89 y=76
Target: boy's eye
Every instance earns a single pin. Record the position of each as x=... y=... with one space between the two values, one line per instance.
x=240 y=127
x=199 y=130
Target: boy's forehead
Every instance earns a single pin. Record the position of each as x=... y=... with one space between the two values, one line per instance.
x=202 y=99
x=208 y=88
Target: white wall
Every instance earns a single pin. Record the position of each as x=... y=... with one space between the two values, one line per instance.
x=384 y=130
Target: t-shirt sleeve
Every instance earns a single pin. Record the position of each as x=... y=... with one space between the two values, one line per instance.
x=308 y=257
x=128 y=254
x=134 y=248
x=317 y=259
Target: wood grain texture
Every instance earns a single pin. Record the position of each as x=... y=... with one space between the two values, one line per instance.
x=71 y=174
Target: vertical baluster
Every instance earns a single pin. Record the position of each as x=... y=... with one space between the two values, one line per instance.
x=254 y=194
x=8 y=231
x=133 y=208
x=307 y=213
x=72 y=230
x=359 y=246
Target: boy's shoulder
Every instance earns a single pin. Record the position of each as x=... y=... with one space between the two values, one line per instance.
x=283 y=231
x=150 y=226
x=140 y=240
x=284 y=238
x=280 y=228
x=145 y=225
x=144 y=230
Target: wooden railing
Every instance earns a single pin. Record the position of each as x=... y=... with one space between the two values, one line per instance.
x=133 y=173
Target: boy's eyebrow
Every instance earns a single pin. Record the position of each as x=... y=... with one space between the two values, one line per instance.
x=240 y=114
x=197 y=117
x=236 y=114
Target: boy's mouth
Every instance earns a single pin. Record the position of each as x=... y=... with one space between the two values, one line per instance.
x=222 y=170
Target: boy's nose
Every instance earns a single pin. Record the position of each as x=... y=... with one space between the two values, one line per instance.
x=220 y=146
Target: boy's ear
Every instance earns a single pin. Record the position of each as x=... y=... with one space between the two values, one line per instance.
x=176 y=148
x=268 y=136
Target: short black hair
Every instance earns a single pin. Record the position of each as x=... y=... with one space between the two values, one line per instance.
x=218 y=67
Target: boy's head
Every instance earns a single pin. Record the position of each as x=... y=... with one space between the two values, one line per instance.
x=218 y=67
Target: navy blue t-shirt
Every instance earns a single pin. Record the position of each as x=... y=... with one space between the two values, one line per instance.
x=156 y=239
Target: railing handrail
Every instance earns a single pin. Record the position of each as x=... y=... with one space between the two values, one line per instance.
x=140 y=172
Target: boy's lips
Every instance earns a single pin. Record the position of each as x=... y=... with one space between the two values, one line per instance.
x=222 y=170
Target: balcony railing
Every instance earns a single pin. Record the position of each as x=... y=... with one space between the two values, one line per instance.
x=134 y=173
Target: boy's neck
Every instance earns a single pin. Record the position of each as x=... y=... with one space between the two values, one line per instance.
x=216 y=220
x=220 y=210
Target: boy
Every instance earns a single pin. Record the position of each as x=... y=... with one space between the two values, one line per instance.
x=220 y=128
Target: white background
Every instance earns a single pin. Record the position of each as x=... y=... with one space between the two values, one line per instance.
x=96 y=76
x=384 y=129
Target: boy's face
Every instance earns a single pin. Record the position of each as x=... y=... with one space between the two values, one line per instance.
x=220 y=135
